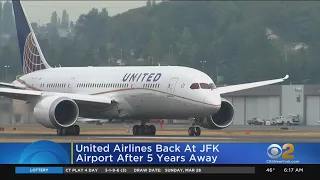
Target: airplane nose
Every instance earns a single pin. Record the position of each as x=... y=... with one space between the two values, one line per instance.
x=212 y=100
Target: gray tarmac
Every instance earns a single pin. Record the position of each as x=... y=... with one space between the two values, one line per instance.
x=163 y=138
x=87 y=137
x=186 y=126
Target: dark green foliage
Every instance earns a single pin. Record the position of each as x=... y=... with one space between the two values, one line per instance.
x=188 y=33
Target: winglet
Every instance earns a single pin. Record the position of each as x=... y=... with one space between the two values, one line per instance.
x=286 y=77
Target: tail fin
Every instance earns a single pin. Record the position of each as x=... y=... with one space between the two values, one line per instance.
x=30 y=51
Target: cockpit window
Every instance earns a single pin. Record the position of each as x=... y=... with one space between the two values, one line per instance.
x=204 y=86
x=194 y=86
x=212 y=86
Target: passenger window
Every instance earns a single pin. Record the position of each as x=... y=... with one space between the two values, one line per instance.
x=194 y=86
x=204 y=86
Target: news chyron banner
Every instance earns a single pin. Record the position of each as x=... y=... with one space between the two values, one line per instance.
x=48 y=152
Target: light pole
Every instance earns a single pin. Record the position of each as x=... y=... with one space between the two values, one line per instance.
x=171 y=46
x=203 y=64
x=151 y=57
x=170 y=49
x=217 y=69
x=6 y=66
x=121 y=54
x=286 y=54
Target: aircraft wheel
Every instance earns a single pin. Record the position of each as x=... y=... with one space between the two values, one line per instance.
x=64 y=131
x=76 y=129
x=152 y=130
x=141 y=130
x=197 y=131
x=59 y=132
x=72 y=130
x=191 y=131
x=136 y=130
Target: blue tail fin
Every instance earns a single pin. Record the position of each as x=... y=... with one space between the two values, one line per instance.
x=30 y=51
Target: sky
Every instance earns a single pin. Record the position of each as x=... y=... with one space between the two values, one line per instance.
x=40 y=11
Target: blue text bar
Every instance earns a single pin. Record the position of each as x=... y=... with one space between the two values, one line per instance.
x=39 y=170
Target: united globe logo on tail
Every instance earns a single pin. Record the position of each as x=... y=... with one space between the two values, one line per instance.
x=31 y=56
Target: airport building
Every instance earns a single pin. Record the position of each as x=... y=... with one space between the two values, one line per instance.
x=277 y=100
x=264 y=102
x=6 y=114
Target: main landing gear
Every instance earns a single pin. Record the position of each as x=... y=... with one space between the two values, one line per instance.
x=73 y=130
x=194 y=130
x=144 y=129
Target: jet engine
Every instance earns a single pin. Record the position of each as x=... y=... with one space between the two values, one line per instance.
x=56 y=112
x=221 y=119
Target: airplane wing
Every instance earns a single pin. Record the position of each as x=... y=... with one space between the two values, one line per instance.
x=239 y=87
x=10 y=85
x=29 y=94
x=84 y=120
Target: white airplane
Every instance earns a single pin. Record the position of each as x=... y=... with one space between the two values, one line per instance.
x=60 y=96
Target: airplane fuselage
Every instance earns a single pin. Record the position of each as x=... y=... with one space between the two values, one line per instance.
x=140 y=92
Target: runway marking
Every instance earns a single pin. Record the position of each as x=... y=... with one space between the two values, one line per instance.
x=164 y=138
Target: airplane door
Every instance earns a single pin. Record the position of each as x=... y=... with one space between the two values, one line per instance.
x=70 y=85
x=171 y=86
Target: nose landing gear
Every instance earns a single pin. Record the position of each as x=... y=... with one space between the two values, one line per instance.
x=195 y=130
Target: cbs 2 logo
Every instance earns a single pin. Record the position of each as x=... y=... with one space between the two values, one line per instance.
x=274 y=151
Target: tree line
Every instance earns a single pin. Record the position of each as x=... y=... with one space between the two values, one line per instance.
x=237 y=41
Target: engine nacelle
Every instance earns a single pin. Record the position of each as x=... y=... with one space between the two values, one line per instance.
x=221 y=119
x=56 y=112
